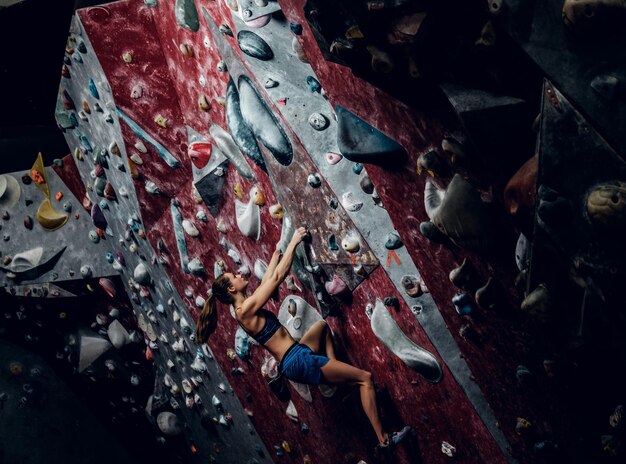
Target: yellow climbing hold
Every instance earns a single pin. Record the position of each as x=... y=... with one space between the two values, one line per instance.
x=238 y=191
x=49 y=218
x=161 y=120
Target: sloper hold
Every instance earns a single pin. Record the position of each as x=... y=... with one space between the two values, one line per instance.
x=225 y=143
x=240 y=131
x=360 y=142
x=253 y=45
x=32 y=264
x=389 y=333
x=187 y=15
x=263 y=123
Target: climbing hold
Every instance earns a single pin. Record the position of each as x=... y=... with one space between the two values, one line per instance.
x=488 y=296
x=318 y=121
x=332 y=242
x=28 y=222
x=359 y=141
x=187 y=15
x=350 y=203
x=393 y=241
x=357 y=168
x=296 y=46
x=93 y=89
x=152 y=188
x=127 y=57
x=606 y=86
x=448 y=449
x=253 y=45
x=263 y=123
x=168 y=423
x=389 y=333
x=333 y=158
x=109 y=192
x=97 y=217
x=351 y=243
x=538 y=304
x=336 y=286
x=295 y=28
x=227 y=146
x=465 y=276
x=241 y=133
x=314 y=84
x=186 y=49
x=412 y=285
x=203 y=103
x=161 y=120
x=142 y=275
x=190 y=228
x=276 y=211
x=366 y=184
x=226 y=30
x=49 y=218
x=462 y=304
x=459 y=212
x=314 y=180
x=270 y=83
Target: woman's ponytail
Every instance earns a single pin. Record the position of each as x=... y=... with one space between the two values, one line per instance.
x=207 y=320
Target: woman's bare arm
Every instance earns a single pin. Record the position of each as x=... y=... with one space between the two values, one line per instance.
x=264 y=291
x=271 y=267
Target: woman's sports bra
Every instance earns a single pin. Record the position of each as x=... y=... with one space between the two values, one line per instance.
x=270 y=328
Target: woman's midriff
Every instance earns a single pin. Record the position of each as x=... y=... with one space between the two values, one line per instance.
x=280 y=342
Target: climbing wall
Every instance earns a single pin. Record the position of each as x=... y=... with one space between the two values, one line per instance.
x=203 y=133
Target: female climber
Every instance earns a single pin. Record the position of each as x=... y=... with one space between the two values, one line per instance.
x=298 y=361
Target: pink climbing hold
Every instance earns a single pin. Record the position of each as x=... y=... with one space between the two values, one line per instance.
x=336 y=286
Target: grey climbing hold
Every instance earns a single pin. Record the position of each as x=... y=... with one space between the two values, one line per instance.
x=359 y=141
x=263 y=123
x=605 y=85
x=318 y=121
x=240 y=131
x=187 y=15
x=253 y=45
x=389 y=333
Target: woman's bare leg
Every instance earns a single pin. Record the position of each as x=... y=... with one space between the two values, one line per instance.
x=339 y=372
x=319 y=337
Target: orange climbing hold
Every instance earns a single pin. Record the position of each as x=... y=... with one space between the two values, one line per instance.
x=59 y=195
x=37 y=177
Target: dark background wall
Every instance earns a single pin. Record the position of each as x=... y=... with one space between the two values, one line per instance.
x=32 y=40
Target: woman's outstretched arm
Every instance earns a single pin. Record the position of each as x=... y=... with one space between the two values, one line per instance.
x=264 y=291
x=271 y=267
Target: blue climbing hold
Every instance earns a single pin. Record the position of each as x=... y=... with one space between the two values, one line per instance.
x=314 y=84
x=93 y=89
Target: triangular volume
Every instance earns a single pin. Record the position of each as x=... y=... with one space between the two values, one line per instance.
x=491 y=122
x=567 y=142
x=91 y=348
x=466 y=100
x=579 y=211
x=38 y=175
x=360 y=142
x=210 y=187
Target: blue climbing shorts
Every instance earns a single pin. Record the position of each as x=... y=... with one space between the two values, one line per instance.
x=301 y=365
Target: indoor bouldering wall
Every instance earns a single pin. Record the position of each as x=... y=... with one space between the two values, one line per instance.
x=405 y=136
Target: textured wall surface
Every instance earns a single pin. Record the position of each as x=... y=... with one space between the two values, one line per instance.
x=173 y=115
